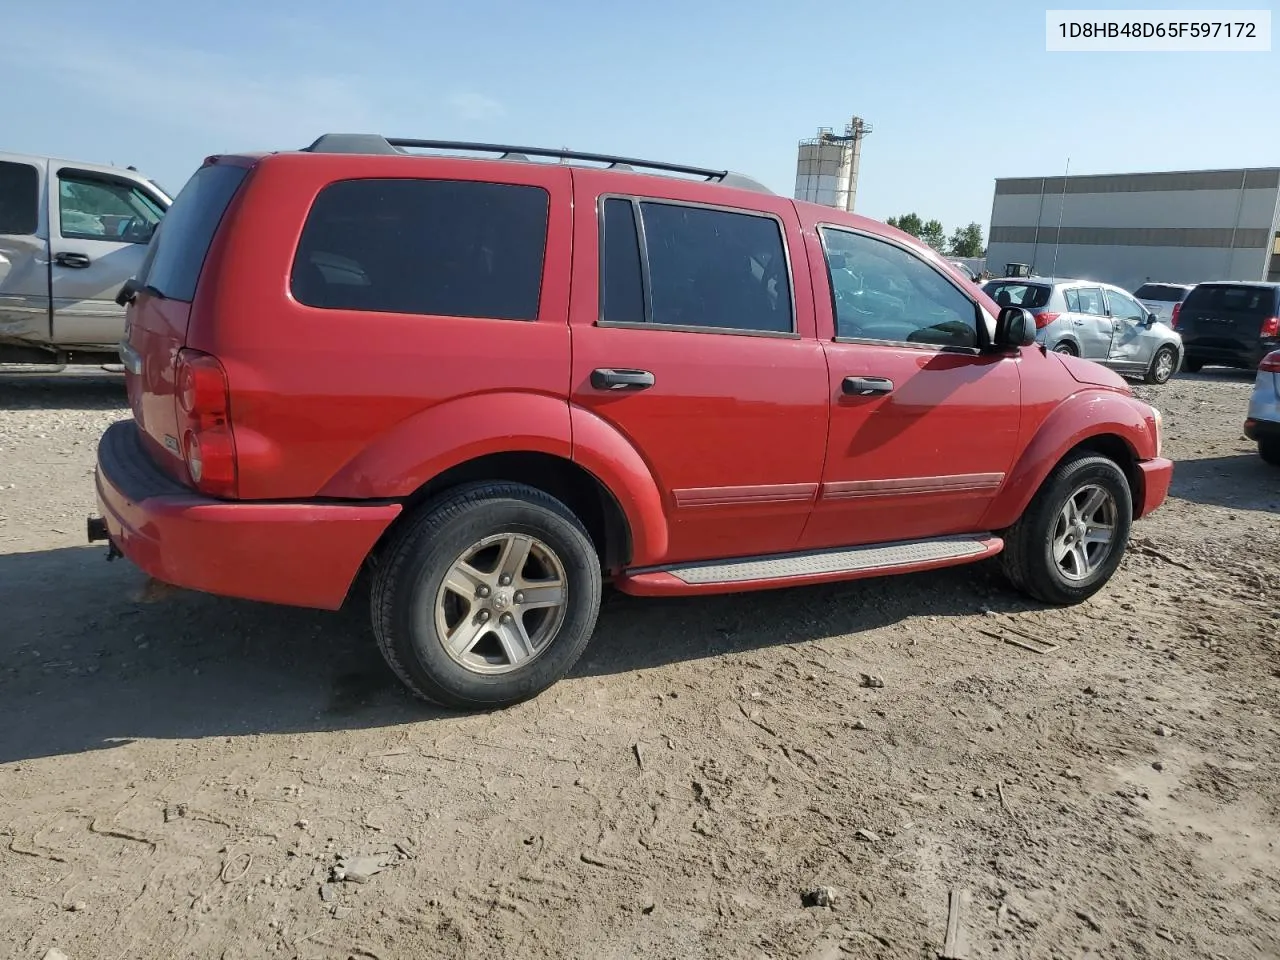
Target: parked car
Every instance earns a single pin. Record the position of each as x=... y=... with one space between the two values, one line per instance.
x=1163 y=299
x=1096 y=321
x=493 y=383
x=1230 y=323
x=1263 y=422
x=70 y=234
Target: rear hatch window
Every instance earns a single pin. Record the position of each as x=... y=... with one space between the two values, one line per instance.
x=1031 y=296
x=177 y=252
x=1237 y=299
x=1160 y=293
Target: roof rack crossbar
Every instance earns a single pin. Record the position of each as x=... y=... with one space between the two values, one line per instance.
x=375 y=144
x=560 y=154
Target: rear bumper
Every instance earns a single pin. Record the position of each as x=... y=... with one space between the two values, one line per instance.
x=1157 y=474
x=298 y=553
x=1246 y=357
x=1257 y=430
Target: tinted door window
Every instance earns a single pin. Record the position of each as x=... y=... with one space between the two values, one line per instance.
x=1091 y=301
x=883 y=292
x=92 y=208
x=621 y=274
x=716 y=269
x=1124 y=307
x=450 y=248
x=19 y=199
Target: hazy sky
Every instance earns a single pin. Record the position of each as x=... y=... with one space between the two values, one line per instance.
x=958 y=93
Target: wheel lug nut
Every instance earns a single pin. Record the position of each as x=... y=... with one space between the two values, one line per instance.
x=519 y=597
x=482 y=591
x=505 y=580
x=484 y=615
x=507 y=618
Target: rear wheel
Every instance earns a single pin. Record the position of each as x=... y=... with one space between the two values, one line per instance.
x=1269 y=450
x=1067 y=347
x=487 y=597
x=1162 y=365
x=1192 y=366
x=1072 y=536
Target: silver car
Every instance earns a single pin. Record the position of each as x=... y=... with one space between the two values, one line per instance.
x=1162 y=298
x=71 y=233
x=1096 y=321
x=1263 y=421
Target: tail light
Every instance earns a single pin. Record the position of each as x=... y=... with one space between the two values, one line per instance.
x=1173 y=319
x=204 y=417
x=1271 y=362
x=1044 y=319
x=1270 y=327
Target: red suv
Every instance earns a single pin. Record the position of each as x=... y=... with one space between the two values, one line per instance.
x=496 y=383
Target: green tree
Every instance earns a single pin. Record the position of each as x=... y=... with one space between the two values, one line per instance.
x=907 y=223
x=934 y=235
x=967 y=241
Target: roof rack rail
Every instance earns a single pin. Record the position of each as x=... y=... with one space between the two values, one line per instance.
x=372 y=143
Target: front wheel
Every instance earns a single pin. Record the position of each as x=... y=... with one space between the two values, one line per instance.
x=1072 y=536
x=487 y=597
x=1162 y=365
x=1067 y=347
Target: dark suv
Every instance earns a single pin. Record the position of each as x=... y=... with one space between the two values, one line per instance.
x=1229 y=323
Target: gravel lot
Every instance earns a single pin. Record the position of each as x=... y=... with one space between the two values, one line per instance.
x=180 y=778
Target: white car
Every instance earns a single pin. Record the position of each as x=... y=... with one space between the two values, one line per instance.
x=1163 y=299
x=1263 y=422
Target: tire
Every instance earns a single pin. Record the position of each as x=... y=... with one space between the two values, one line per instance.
x=414 y=613
x=1067 y=347
x=1192 y=366
x=1029 y=557
x=1269 y=451
x=1163 y=364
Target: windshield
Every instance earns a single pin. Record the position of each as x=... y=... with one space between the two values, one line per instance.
x=1007 y=294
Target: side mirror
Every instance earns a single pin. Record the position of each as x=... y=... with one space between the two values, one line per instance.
x=128 y=291
x=1015 y=327
x=1152 y=320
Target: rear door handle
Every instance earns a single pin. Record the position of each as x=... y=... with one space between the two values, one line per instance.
x=608 y=378
x=77 y=260
x=866 y=386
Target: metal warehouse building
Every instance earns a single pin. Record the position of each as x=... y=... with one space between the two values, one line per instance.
x=1126 y=229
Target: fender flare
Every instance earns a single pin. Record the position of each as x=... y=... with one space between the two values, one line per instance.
x=426 y=444
x=1083 y=416
x=601 y=450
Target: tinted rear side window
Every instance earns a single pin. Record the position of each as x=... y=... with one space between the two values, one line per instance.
x=182 y=240
x=1160 y=292
x=1256 y=301
x=1029 y=295
x=454 y=248
x=19 y=199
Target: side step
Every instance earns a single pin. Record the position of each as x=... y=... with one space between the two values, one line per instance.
x=816 y=566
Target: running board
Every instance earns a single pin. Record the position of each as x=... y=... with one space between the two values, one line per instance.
x=815 y=566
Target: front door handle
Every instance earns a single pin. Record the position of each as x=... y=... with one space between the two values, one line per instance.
x=608 y=378
x=77 y=260
x=866 y=386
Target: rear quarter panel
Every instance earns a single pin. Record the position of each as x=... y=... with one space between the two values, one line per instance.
x=346 y=403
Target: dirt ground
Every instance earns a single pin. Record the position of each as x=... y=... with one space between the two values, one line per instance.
x=180 y=778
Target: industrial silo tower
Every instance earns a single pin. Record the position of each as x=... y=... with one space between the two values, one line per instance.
x=827 y=165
